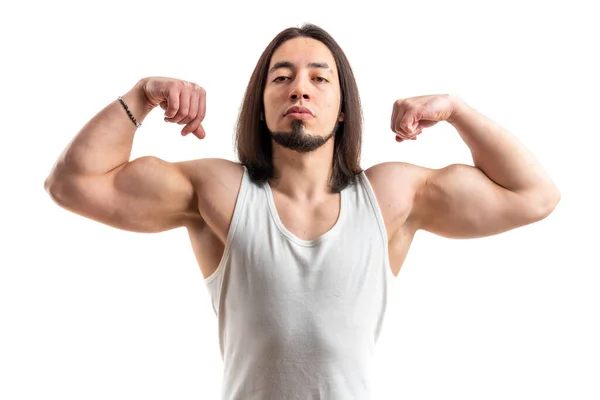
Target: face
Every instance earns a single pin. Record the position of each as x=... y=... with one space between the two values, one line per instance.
x=302 y=73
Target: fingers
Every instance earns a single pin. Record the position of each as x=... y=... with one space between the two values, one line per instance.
x=401 y=119
x=186 y=105
x=199 y=132
x=194 y=126
x=181 y=95
x=193 y=110
x=404 y=122
x=184 y=108
x=172 y=104
x=404 y=136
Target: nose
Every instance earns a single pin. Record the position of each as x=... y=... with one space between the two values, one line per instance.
x=299 y=93
x=299 y=90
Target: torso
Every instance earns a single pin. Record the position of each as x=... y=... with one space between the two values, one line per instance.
x=217 y=204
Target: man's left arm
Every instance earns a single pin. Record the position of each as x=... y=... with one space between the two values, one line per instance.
x=506 y=188
x=503 y=159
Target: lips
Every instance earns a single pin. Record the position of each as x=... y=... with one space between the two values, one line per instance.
x=298 y=109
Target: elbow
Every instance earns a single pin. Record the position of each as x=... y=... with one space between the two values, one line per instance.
x=51 y=188
x=545 y=204
x=51 y=184
x=552 y=199
x=48 y=184
x=57 y=189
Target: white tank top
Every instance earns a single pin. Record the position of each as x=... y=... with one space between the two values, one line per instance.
x=299 y=319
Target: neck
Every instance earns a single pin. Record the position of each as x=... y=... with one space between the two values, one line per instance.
x=303 y=176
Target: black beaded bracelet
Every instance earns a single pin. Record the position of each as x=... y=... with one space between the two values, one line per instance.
x=137 y=124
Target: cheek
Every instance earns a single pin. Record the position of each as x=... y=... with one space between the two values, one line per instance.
x=334 y=103
x=271 y=99
x=334 y=98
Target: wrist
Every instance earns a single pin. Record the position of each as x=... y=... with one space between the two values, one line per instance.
x=137 y=102
x=458 y=108
x=139 y=92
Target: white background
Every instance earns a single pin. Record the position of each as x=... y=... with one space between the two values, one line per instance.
x=91 y=312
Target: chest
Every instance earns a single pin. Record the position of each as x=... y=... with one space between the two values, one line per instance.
x=303 y=221
x=307 y=221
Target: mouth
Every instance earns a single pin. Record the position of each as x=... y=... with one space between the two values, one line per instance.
x=295 y=110
x=299 y=115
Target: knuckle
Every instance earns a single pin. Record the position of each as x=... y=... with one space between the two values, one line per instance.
x=174 y=97
x=196 y=120
x=191 y=116
x=193 y=113
x=177 y=86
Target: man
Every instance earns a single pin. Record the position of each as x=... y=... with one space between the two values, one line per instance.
x=297 y=244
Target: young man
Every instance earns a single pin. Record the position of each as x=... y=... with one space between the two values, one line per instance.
x=297 y=244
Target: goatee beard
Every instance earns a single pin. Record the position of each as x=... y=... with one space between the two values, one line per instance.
x=300 y=141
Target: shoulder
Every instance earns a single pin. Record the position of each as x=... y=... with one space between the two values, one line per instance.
x=399 y=171
x=217 y=184
x=396 y=186
x=204 y=173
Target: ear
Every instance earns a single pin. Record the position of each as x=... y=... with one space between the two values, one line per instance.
x=262 y=117
x=341 y=117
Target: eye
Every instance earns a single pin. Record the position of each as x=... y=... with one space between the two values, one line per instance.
x=323 y=79
x=279 y=77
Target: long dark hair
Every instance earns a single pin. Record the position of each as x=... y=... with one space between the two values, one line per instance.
x=252 y=141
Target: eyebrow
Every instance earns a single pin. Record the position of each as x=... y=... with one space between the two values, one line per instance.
x=287 y=64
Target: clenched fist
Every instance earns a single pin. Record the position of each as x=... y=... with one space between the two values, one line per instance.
x=184 y=102
x=410 y=116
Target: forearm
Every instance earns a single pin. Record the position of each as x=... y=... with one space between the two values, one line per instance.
x=501 y=156
x=105 y=142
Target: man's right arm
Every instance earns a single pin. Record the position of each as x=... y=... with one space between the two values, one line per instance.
x=93 y=177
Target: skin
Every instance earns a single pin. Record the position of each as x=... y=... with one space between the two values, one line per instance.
x=303 y=176
x=505 y=188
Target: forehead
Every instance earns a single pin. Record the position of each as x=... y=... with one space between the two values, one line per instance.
x=302 y=51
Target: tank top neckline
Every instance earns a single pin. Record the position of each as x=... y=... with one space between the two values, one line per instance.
x=308 y=243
